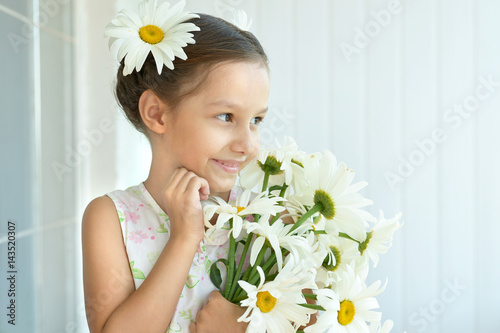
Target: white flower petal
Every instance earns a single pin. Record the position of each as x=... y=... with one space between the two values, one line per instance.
x=257 y=245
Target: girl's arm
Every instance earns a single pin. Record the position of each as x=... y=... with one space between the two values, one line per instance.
x=112 y=304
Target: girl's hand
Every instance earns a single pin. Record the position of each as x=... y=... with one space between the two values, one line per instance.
x=182 y=199
x=218 y=316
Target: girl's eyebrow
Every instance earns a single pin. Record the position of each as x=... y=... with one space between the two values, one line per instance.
x=225 y=103
x=231 y=105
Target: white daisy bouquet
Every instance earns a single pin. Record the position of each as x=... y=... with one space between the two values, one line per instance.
x=301 y=245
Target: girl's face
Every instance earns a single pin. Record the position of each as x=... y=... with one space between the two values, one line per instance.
x=215 y=132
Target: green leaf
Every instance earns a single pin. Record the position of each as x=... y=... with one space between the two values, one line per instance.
x=215 y=272
x=138 y=274
x=192 y=281
x=121 y=216
x=165 y=216
x=161 y=229
x=186 y=314
x=207 y=265
x=132 y=264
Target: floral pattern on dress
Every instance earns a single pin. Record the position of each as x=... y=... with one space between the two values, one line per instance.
x=146 y=230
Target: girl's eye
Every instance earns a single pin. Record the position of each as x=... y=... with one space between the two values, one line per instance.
x=257 y=120
x=224 y=117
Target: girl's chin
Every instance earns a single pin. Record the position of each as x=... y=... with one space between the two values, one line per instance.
x=221 y=190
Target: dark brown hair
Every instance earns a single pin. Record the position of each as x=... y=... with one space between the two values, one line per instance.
x=217 y=41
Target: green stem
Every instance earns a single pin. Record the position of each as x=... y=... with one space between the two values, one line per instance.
x=240 y=298
x=266 y=181
x=231 y=259
x=282 y=193
x=269 y=262
x=312 y=306
x=240 y=266
x=253 y=270
x=314 y=209
x=344 y=235
x=283 y=190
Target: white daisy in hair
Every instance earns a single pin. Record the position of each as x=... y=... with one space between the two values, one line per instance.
x=161 y=30
x=239 y=209
x=273 y=306
x=379 y=239
x=357 y=302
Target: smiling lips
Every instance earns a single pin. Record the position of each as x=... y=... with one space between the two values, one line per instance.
x=229 y=165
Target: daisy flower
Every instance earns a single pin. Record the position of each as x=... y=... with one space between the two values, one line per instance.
x=337 y=200
x=273 y=306
x=156 y=29
x=239 y=209
x=356 y=304
x=277 y=235
x=339 y=253
x=276 y=162
x=329 y=300
x=379 y=239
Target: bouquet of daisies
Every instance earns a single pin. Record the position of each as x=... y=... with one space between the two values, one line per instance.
x=300 y=244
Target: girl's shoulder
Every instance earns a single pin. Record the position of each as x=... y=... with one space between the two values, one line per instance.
x=99 y=210
x=108 y=206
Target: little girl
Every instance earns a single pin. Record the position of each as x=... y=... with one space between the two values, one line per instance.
x=145 y=254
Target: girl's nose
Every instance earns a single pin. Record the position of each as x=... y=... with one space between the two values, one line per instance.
x=245 y=141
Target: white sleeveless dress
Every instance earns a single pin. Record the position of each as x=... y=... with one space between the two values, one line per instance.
x=146 y=230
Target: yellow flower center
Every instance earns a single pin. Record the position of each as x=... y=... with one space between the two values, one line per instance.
x=346 y=312
x=239 y=209
x=265 y=301
x=151 y=34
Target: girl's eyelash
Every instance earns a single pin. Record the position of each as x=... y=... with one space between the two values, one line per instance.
x=228 y=117
x=258 y=121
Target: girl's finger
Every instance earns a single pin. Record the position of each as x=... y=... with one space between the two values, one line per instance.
x=183 y=184
x=204 y=190
x=177 y=176
x=196 y=184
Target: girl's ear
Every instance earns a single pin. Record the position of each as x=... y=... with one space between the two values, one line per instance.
x=152 y=111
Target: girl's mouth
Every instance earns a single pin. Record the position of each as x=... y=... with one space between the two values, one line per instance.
x=229 y=165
